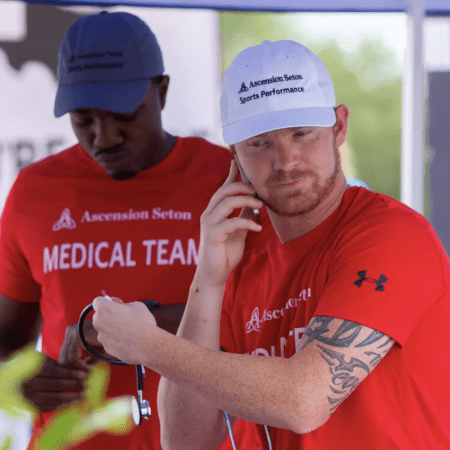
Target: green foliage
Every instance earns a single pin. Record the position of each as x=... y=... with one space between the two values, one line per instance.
x=95 y=414
x=367 y=80
x=240 y=30
x=74 y=424
x=7 y=443
x=373 y=94
x=13 y=372
x=79 y=422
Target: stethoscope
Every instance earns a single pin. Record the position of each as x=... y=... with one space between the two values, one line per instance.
x=230 y=432
x=140 y=408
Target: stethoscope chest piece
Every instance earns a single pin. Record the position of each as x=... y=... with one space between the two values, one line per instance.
x=140 y=409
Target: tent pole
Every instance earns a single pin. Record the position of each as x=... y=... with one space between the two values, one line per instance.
x=413 y=102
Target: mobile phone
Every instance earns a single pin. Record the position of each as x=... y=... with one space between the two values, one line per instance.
x=245 y=180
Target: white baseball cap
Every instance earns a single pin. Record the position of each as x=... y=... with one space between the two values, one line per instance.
x=275 y=85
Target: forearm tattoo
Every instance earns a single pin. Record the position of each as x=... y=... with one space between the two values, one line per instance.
x=345 y=370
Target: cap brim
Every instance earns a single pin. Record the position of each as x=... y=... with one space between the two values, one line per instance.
x=119 y=97
x=275 y=120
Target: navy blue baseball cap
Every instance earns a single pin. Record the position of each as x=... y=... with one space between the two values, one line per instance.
x=106 y=61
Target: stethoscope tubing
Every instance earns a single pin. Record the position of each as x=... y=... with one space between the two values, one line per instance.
x=142 y=404
x=140 y=370
x=230 y=432
x=86 y=344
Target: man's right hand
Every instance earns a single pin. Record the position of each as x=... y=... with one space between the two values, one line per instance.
x=54 y=386
x=72 y=350
x=222 y=235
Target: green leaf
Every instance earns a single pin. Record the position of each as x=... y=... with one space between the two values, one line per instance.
x=13 y=372
x=7 y=443
x=83 y=420
x=56 y=432
x=114 y=417
x=96 y=384
x=75 y=424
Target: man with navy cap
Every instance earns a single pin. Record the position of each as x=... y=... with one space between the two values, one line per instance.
x=349 y=306
x=120 y=208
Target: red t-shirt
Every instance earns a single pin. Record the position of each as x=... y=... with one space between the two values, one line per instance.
x=68 y=231
x=376 y=262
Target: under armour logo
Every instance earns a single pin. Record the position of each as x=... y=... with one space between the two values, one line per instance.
x=64 y=221
x=379 y=282
x=253 y=323
x=244 y=88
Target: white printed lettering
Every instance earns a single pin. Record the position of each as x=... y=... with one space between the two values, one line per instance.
x=298 y=334
x=108 y=255
x=98 y=261
x=283 y=342
x=91 y=255
x=130 y=262
x=162 y=251
x=177 y=253
x=149 y=244
x=50 y=262
x=117 y=255
x=64 y=256
x=76 y=264
x=260 y=351
x=115 y=216
x=159 y=214
x=192 y=253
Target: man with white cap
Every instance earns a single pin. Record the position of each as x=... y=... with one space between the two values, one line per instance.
x=350 y=304
x=119 y=209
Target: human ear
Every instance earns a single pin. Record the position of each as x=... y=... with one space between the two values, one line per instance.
x=163 y=87
x=341 y=125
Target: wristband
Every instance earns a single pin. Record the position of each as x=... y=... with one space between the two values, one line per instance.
x=151 y=304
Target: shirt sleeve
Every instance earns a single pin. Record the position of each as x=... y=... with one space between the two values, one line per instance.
x=386 y=273
x=16 y=280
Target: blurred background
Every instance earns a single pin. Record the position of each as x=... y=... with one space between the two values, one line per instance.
x=364 y=52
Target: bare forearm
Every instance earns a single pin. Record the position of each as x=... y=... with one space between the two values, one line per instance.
x=261 y=390
x=184 y=410
x=201 y=319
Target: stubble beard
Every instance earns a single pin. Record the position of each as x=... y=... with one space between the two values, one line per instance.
x=287 y=206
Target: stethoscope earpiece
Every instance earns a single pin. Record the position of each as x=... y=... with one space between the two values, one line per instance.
x=140 y=408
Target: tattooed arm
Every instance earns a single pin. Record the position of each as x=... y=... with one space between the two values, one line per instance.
x=299 y=393
x=349 y=350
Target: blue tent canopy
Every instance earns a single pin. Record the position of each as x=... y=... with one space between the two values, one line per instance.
x=432 y=7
